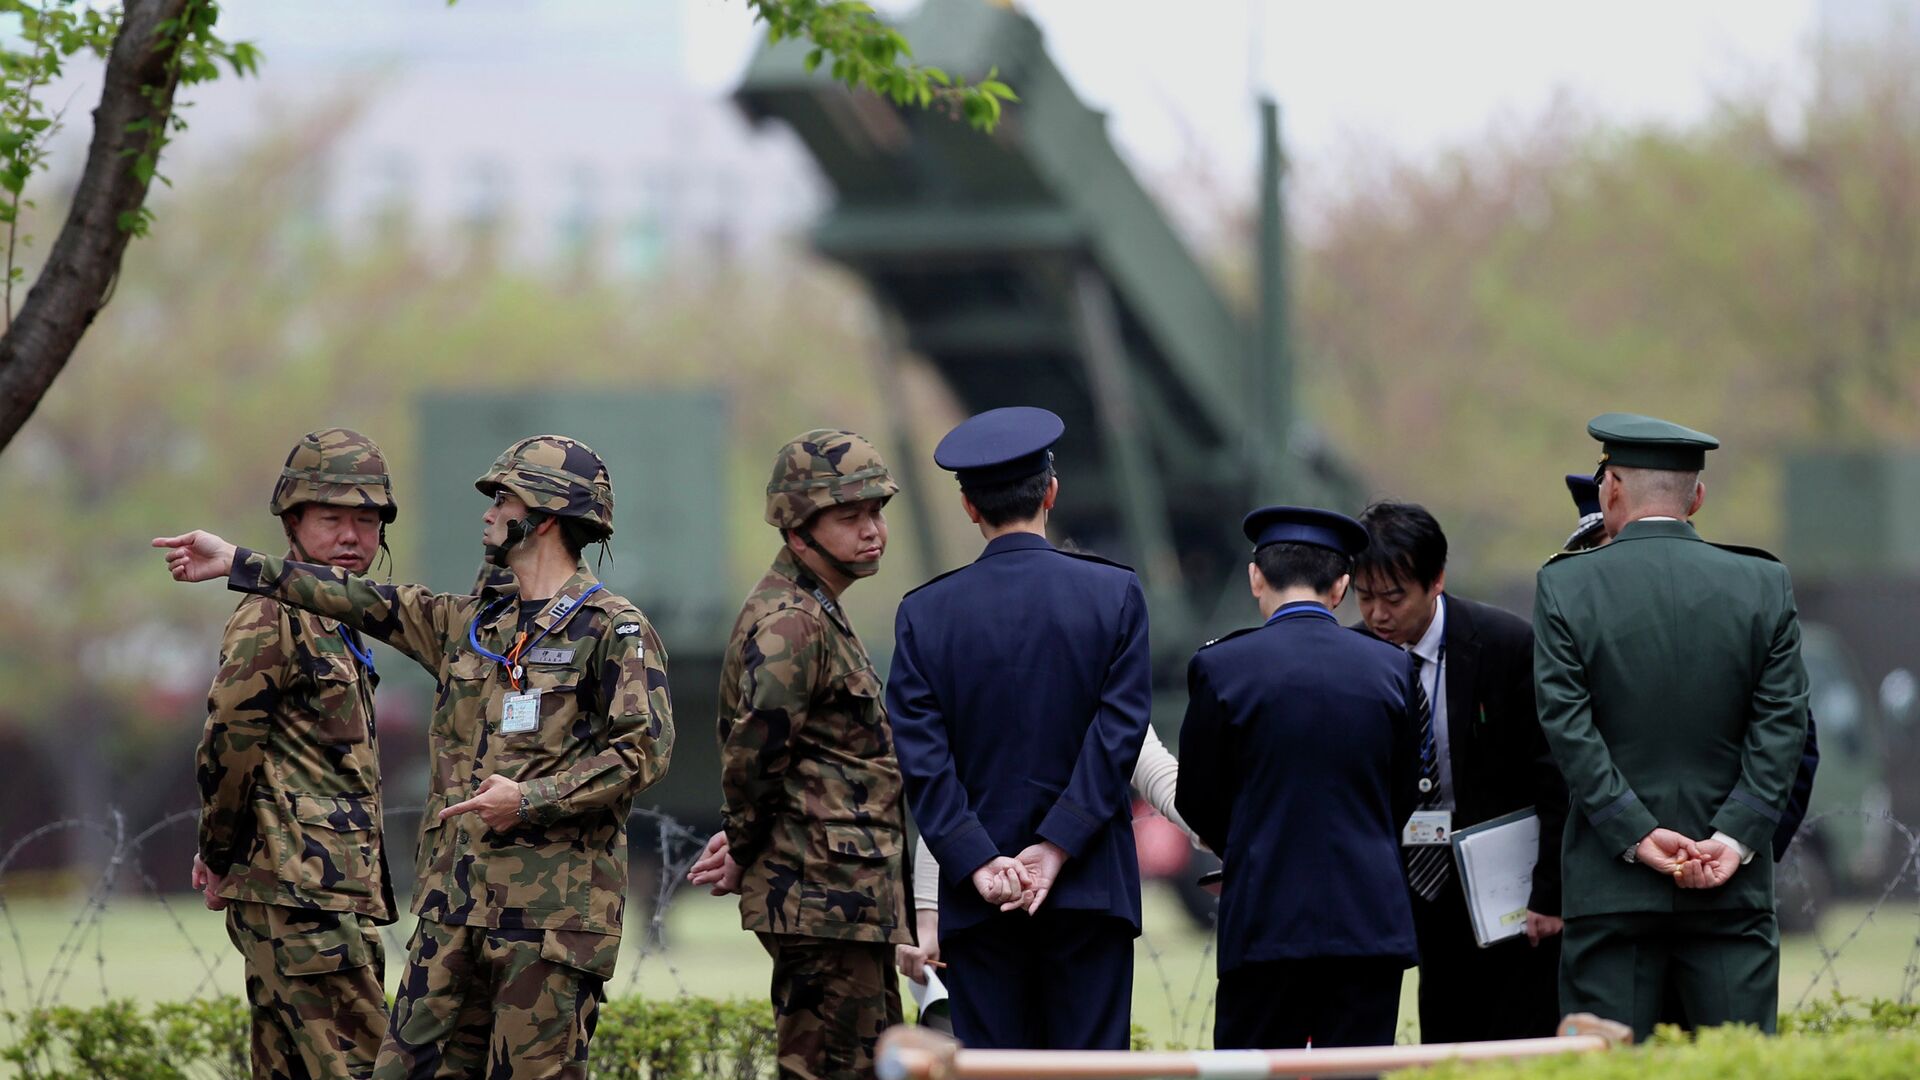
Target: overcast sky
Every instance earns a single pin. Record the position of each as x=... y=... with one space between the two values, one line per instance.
x=547 y=88
x=1407 y=73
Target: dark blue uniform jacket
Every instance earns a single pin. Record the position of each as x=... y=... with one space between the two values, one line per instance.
x=1298 y=764
x=1019 y=697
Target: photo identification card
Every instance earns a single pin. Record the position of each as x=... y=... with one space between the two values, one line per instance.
x=1428 y=827
x=520 y=713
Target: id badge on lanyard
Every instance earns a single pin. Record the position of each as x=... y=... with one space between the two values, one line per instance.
x=520 y=713
x=1428 y=827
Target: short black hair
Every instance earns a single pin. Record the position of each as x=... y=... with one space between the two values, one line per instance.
x=1015 y=500
x=1285 y=565
x=1405 y=543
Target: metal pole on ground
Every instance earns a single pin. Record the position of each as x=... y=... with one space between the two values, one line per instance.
x=913 y=1053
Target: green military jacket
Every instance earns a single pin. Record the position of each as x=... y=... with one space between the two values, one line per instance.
x=604 y=732
x=813 y=812
x=1670 y=688
x=289 y=767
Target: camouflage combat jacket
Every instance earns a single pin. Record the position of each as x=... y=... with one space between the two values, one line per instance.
x=814 y=812
x=604 y=733
x=289 y=767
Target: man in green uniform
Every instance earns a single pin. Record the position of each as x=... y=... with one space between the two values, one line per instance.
x=289 y=772
x=814 y=818
x=1672 y=694
x=552 y=714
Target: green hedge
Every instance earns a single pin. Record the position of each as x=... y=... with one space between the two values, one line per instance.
x=694 y=1038
x=1838 y=1039
x=124 y=1041
x=637 y=1039
x=644 y=1039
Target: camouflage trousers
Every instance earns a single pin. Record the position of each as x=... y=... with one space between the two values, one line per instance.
x=314 y=988
x=831 y=1002
x=499 y=1004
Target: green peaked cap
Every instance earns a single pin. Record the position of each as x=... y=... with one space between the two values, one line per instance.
x=1643 y=442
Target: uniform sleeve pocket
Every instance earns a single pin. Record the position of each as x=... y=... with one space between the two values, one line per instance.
x=594 y=954
x=862 y=683
x=867 y=843
x=318 y=942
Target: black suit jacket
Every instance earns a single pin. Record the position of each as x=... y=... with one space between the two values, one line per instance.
x=1494 y=741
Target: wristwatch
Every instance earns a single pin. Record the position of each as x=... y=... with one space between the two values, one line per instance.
x=526 y=809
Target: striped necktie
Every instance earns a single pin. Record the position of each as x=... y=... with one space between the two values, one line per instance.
x=1428 y=865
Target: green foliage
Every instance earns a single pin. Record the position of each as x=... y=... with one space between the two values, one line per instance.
x=637 y=1038
x=662 y=1039
x=196 y=53
x=865 y=53
x=689 y=1038
x=52 y=32
x=1755 y=274
x=120 y=1040
x=1838 y=1039
x=1841 y=1014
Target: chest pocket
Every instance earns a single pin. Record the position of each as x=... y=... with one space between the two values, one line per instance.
x=856 y=696
x=544 y=736
x=330 y=693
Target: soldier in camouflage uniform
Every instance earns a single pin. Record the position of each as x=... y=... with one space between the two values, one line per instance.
x=814 y=817
x=289 y=772
x=552 y=714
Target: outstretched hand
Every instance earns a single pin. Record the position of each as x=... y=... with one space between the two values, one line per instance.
x=196 y=556
x=497 y=802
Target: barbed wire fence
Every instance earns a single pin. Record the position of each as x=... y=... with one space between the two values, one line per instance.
x=671 y=847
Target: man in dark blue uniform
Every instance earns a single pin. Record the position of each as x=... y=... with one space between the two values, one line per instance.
x=1019 y=697
x=1302 y=761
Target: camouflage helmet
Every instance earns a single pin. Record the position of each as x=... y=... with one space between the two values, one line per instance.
x=824 y=468
x=336 y=467
x=556 y=475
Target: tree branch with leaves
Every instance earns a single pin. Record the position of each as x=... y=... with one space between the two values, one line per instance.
x=868 y=54
x=152 y=47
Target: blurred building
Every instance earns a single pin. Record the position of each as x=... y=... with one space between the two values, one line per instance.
x=542 y=130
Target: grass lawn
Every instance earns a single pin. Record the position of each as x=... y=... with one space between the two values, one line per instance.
x=156 y=949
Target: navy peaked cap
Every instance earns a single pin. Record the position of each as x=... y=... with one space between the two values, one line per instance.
x=1305 y=525
x=1000 y=446
x=1586 y=493
x=1586 y=499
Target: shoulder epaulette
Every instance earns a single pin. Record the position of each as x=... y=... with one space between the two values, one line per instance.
x=1738 y=549
x=1230 y=636
x=1091 y=557
x=931 y=580
x=1560 y=556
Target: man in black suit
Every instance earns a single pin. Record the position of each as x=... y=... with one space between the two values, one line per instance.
x=1476 y=665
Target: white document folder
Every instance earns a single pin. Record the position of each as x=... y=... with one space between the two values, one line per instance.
x=1495 y=860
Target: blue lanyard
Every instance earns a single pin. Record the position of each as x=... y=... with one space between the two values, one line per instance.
x=514 y=669
x=365 y=658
